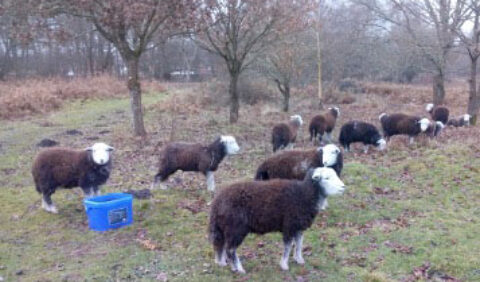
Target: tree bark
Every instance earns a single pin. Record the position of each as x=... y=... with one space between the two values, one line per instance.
x=234 y=97
x=473 y=99
x=438 y=89
x=286 y=98
x=319 y=63
x=135 y=91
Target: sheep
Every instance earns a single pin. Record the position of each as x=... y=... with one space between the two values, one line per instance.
x=359 y=131
x=434 y=129
x=284 y=135
x=438 y=113
x=62 y=167
x=323 y=124
x=195 y=157
x=402 y=124
x=294 y=164
x=463 y=120
x=279 y=205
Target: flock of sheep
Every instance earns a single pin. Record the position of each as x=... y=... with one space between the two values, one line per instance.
x=288 y=190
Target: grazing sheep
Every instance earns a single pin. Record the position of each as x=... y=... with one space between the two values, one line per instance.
x=284 y=135
x=434 y=129
x=195 y=157
x=438 y=113
x=463 y=120
x=294 y=164
x=287 y=206
x=359 y=131
x=402 y=124
x=67 y=168
x=321 y=124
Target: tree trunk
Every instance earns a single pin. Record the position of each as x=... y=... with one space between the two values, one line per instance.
x=319 y=63
x=473 y=99
x=286 y=98
x=234 y=97
x=135 y=91
x=438 y=89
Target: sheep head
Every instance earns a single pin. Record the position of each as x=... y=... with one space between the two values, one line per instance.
x=330 y=154
x=230 y=144
x=335 y=111
x=296 y=119
x=466 y=119
x=424 y=123
x=381 y=116
x=429 y=108
x=328 y=181
x=100 y=153
x=381 y=144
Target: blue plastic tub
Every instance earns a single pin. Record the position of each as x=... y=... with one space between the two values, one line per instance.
x=109 y=211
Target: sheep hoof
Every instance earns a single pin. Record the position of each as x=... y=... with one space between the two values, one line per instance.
x=283 y=265
x=299 y=260
x=163 y=186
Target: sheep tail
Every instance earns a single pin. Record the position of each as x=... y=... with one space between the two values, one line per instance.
x=215 y=233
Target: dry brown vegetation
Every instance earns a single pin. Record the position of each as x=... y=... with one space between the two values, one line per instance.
x=20 y=98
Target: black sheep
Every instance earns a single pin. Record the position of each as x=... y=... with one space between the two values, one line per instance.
x=359 y=131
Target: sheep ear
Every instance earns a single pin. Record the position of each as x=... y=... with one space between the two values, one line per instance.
x=88 y=149
x=110 y=148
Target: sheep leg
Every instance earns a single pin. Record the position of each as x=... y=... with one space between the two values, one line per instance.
x=96 y=190
x=88 y=192
x=411 y=140
x=286 y=253
x=47 y=204
x=221 y=256
x=329 y=137
x=235 y=261
x=365 y=149
x=298 y=248
x=210 y=181
x=159 y=179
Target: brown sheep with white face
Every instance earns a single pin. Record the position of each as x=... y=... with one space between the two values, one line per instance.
x=286 y=206
x=402 y=124
x=195 y=157
x=464 y=120
x=284 y=135
x=67 y=168
x=438 y=113
x=323 y=124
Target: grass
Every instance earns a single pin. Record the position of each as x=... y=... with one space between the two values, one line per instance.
x=406 y=208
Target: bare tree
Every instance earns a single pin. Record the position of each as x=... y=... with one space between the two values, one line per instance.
x=130 y=26
x=471 y=41
x=283 y=64
x=442 y=16
x=238 y=30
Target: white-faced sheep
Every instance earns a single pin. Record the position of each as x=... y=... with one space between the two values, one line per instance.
x=438 y=113
x=323 y=124
x=434 y=129
x=294 y=164
x=286 y=206
x=359 y=131
x=463 y=120
x=402 y=124
x=285 y=134
x=67 y=168
x=195 y=157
